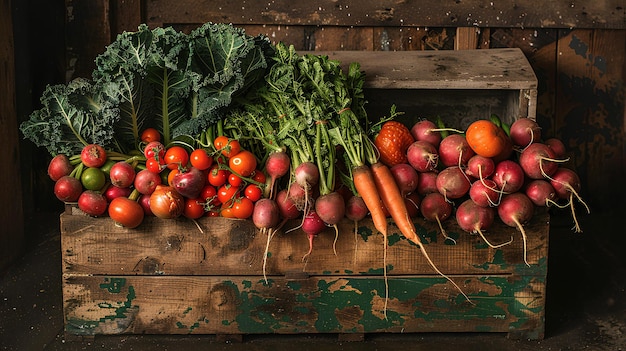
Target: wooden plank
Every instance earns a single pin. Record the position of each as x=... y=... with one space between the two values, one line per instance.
x=322 y=304
x=466 y=38
x=226 y=246
x=125 y=15
x=11 y=214
x=467 y=13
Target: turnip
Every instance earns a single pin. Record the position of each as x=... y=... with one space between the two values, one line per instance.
x=515 y=210
x=455 y=151
x=509 y=176
x=266 y=217
x=452 y=183
x=567 y=185
x=435 y=208
x=538 y=161
x=540 y=192
x=422 y=156
x=406 y=177
x=59 y=166
x=277 y=165
x=480 y=167
x=524 y=132
x=425 y=130
x=473 y=218
x=427 y=183
x=485 y=193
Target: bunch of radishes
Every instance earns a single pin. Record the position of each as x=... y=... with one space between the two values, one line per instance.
x=485 y=173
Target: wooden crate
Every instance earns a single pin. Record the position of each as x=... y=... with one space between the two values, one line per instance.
x=181 y=277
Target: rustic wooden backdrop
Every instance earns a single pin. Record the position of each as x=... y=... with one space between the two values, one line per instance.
x=577 y=49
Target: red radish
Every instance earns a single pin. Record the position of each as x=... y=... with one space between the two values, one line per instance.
x=144 y=201
x=189 y=183
x=406 y=177
x=427 y=183
x=277 y=165
x=435 y=208
x=307 y=174
x=312 y=225
x=557 y=147
x=68 y=189
x=485 y=193
x=331 y=208
x=146 y=181
x=452 y=183
x=122 y=174
x=422 y=156
x=287 y=208
x=266 y=218
x=567 y=185
x=425 y=130
x=92 y=203
x=93 y=155
x=540 y=192
x=509 y=176
x=480 y=167
x=113 y=192
x=412 y=201
x=59 y=166
x=356 y=209
x=475 y=219
x=515 y=210
x=538 y=161
x=455 y=151
x=524 y=132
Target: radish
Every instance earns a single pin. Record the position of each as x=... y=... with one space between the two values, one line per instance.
x=276 y=166
x=452 y=183
x=435 y=208
x=485 y=193
x=424 y=130
x=412 y=201
x=113 y=192
x=475 y=219
x=515 y=210
x=92 y=203
x=122 y=174
x=146 y=181
x=356 y=210
x=266 y=217
x=287 y=208
x=422 y=156
x=312 y=225
x=480 y=167
x=331 y=208
x=525 y=132
x=59 y=166
x=567 y=185
x=68 y=189
x=427 y=183
x=538 y=161
x=509 y=176
x=455 y=151
x=540 y=192
x=406 y=177
x=557 y=146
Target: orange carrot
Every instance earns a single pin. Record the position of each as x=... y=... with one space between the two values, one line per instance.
x=392 y=199
x=366 y=187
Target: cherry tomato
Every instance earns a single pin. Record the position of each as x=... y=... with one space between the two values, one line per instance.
x=242 y=208
x=234 y=180
x=228 y=147
x=93 y=155
x=154 y=166
x=226 y=192
x=217 y=177
x=253 y=192
x=194 y=208
x=259 y=176
x=212 y=214
x=200 y=159
x=171 y=175
x=176 y=156
x=227 y=212
x=243 y=163
x=209 y=196
x=150 y=134
x=154 y=149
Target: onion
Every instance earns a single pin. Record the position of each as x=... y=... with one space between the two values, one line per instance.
x=166 y=202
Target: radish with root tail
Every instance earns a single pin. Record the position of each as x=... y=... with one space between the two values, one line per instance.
x=509 y=176
x=454 y=150
x=566 y=184
x=452 y=183
x=425 y=130
x=515 y=210
x=485 y=193
x=435 y=208
x=423 y=156
x=475 y=219
x=539 y=161
x=525 y=131
x=266 y=217
x=541 y=193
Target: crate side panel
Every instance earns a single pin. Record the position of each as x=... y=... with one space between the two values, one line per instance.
x=246 y=305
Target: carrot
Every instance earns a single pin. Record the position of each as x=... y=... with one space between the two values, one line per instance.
x=392 y=199
x=366 y=187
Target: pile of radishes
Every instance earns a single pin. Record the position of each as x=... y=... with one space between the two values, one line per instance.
x=478 y=176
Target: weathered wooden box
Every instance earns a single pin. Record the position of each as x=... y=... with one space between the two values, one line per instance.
x=180 y=277
x=206 y=277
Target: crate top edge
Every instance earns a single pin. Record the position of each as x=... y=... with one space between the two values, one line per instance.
x=506 y=68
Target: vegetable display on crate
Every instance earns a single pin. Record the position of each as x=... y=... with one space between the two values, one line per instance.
x=220 y=123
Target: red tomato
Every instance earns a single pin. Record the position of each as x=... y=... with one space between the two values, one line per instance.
x=253 y=192
x=227 y=212
x=154 y=149
x=126 y=212
x=243 y=163
x=154 y=166
x=176 y=156
x=212 y=214
x=194 y=208
x=234 y=180
x=217 y=177
x=170 y=176
x=242 y=208
x=200 y=159
x=93 y=155
x=226 y=192
x=259 y=176
x=228 y=147
x=150 y=134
